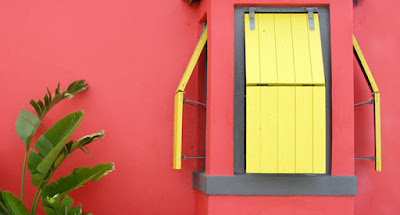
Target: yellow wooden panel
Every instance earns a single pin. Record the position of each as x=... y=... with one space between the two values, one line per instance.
x=252 y=51
x=378 y=156
x=284 y=49
x=286 y=129
x=193 y=61
x=178 y=114
x=317 y=64
x=269 y=130
x=364 y=65
x=301 y=50
x=267 y=48
x=253 y=129
x=319 y=130
x=304 y=129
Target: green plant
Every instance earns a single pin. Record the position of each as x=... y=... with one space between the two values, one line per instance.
x=47 y=154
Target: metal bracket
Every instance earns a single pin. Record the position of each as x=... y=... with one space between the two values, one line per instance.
x=252 y=11
x=194 y=103
x=311 y=11
x=371 y=101
x=192 y=157
x=364 y=158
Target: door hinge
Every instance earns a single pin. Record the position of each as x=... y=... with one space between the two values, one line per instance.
x=252 y=11
x=311 y=11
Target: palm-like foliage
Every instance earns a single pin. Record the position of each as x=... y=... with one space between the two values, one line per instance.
x=48 y=153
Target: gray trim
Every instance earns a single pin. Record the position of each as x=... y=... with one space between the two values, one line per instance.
x=239 y=79
x=281 y=185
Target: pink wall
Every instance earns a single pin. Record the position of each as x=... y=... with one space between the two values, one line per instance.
x=220 y=112
x=132 y=53
x=375 y=26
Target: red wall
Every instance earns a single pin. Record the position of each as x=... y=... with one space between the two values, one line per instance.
x=377 y=32
x=133 y=53
x=219 y=152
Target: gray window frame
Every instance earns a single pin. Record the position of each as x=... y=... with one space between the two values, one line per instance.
x=241 y=183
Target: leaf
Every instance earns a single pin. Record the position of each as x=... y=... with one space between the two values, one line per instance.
x=36 y=107
x=56 y=206
x=50 y=101
x=3 y=208
x=51 y=143
x=26 y=126
x=33 y=161
x=83 y=141
x=76 y=179
x=14 y=205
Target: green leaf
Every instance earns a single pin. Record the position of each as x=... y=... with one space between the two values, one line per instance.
x=56 y=206
x=40 y=103
x=33 y=161
x=50 y=101
x=14 y=205
x=3 y=208
x=76 y=179
x=83 y=141
x=54 y=139
x=26 y=126
x=36 y=107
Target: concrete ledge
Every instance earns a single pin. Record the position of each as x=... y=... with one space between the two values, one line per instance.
x=275 y=185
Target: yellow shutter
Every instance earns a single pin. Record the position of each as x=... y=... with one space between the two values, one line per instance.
x=376 y=97
x=178 y=110
x=285 y=95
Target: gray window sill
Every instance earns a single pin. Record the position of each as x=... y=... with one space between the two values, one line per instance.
x=276 y=185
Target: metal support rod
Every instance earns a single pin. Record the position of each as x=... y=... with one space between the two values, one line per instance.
x=195 y=102
x=365 y=158
x=192 y=157
x=371 y=101
x=194 y=105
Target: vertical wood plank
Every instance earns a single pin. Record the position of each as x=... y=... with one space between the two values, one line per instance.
x=284 y=50
x=253 y=129
x=178 y=115
x=286 y=129
x=269 y=130
x=304 y=129
x=319 y=130
x=378 y=156
x=267 y=49
x=301 y=49
x=317 y=64
x=252 y=51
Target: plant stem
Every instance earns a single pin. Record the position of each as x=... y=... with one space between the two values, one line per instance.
x=23 y=176
x=36 y=200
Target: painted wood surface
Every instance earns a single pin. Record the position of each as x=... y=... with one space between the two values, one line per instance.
x=285 y=95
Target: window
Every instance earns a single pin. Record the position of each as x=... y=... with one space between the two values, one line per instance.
x=286 y=93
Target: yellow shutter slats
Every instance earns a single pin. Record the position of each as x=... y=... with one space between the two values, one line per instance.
x=285 y=129
x=253 y=130
x=317 y=65
x=304 y=129
x=282 y=50
x=319 y=130
x=285 y=121
x=269 y=129
x=252 y=52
